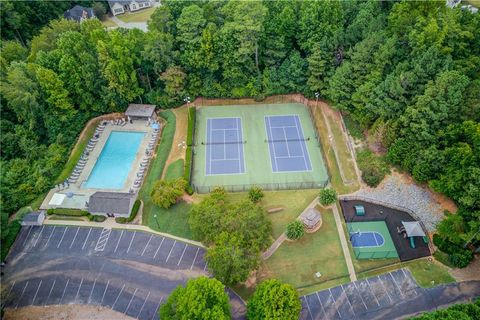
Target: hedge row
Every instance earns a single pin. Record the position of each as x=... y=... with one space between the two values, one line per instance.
x=76 y=213
x=188 y=155
x=133 y=214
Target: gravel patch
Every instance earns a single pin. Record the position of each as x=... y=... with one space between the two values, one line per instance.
x=400 y=193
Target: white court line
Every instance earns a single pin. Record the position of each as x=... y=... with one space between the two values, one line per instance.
x=147 y=244
x=133 y=295
x=193 y=262
x=36 y=292
x=118 y=242
x=205 y=267
x=346 y=295
x=174 y=243
x=113 y=305
x=302 y=143
x=88 y=235
x=64 y=289
x=224 y=148
x=105 y=291
x=48 y=240
x=374 y=295
x=158 y=248
x=272 y=145
x=334 y=302
x=26 y=238
x=321 y=304
x=273 y=127
x=396 y=284
x=182 y=255
x=50 y=292
x=65 y=231
x=156 y=310
x=133 y=237
x=360 y=296
x=385 y=288
x=11 y=288
x=308 y=307
x=290 y=157
x=143 y=305
x=78 y=228
x=91 y=291
x=39 y=235
x=20 y=298
x=78 y=290
x=238 y=145
x=225 y=160
x=286 y=142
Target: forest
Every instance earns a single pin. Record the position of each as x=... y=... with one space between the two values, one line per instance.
x=407 y=72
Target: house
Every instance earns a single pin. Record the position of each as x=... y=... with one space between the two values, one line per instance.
x=111 y=204
x=33 y=218
x=79 y=14
x=121 y=6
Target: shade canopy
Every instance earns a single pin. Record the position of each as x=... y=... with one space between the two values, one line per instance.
x=155 y=126
x=57 y=199
x=413 y=228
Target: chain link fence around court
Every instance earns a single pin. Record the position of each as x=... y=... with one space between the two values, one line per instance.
x=265 y=186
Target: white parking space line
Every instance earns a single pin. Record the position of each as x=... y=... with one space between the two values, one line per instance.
x=26 y=237
x=131 y=241
x=39 y=236
x=118 y=242
x=148 y=242
x=373 y=293
x=308 y=307
x=193 y=262
x=103 y=239
x=396 y=284
x=36 y=292
x=71 y=244
x=121 y=290
x=174 y=243
x=321 y=304
x=385 y=288
x=53 y=230
x=50 y=292
x=205 y=267
x=143 y=305
x=65 y=289
x=346 y=296
x=65 y=231
x=20 y=298
x=88 y=235
x=158 y=248
x=133 y=295
x=78 y=290
x=11 y=288
x=156 y=310
x=360 y=296
x=182 y=255
x=93 y=287
x=106 y=287
x=334 y=302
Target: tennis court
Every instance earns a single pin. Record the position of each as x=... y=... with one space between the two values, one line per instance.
x=224 y=146
x=371 y=240
x=272 y=146
x=286 y=144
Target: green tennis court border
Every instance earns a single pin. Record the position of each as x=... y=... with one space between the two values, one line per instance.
x=388 y=249
x=256 y=152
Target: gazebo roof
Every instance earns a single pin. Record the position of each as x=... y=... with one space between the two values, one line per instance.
x=311 y=218
x=140 y=110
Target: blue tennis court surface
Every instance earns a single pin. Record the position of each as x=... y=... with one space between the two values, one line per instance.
x=366 y=239
x=224 y=146
x=286 y=143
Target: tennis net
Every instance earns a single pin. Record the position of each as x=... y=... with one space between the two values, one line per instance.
x=223 y=142
x=287 y=140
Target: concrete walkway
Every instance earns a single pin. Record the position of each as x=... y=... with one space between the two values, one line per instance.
x=130 y=25
x=343 y=242
x=111 y=224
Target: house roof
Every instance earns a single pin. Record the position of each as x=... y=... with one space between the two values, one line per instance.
x=311 y=218
x=123 y=2
x=140 y=110
x=110 y=202
x=78 y=13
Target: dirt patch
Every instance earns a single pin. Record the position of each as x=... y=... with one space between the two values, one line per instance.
x=469 y=273
x=60 y=312
x=180 y=137
x=188 y=198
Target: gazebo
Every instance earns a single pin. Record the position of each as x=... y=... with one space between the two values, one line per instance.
x=312 y=220
x=414 y=229
x=140 y=112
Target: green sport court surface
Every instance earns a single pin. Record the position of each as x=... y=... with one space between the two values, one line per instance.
x=371 y=240
x=272 y=146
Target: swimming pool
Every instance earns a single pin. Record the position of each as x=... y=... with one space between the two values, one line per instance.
x=115 y=161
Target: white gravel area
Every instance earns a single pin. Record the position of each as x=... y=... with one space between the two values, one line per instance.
x=409 y=195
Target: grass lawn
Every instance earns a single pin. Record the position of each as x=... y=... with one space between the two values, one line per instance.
x=139 y=16
x=77 y=151
x=475 y=3
x=107 y=22
x=173 y=220
x=174 y=170
x=297 y=262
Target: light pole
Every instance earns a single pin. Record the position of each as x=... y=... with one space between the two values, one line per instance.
x=155 y=216
x=317 y=95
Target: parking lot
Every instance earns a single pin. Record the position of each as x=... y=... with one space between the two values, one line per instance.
x=129 y=271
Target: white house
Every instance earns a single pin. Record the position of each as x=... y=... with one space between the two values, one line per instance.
x=121 y=6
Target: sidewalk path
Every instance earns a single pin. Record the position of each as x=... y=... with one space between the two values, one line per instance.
x=343 y=241
x=129 y=25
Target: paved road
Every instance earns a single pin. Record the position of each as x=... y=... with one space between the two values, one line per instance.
x=388 y=296
x=129 y=271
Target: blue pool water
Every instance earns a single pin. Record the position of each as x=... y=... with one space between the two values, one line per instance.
x=115 y=161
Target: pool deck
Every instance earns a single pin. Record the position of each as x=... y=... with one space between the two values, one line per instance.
x=81 y=194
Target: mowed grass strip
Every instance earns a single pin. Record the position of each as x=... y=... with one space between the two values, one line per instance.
x=173 y=220
x=139 y=16
x=174 y=170
x=297 y=262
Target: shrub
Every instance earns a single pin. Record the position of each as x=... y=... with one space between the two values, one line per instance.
x=98 y=218
x=166 y=193
x=327 y=196
x=68 y=212
x=99 y=10
x=255 y=194
x=373 y=168
x=187 y=172
x=461 y=258
x=133 y=214
x=274 y=300
x=295 y=230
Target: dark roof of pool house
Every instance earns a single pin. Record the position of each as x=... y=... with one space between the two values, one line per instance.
x=116 y=203
x=140 y=110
